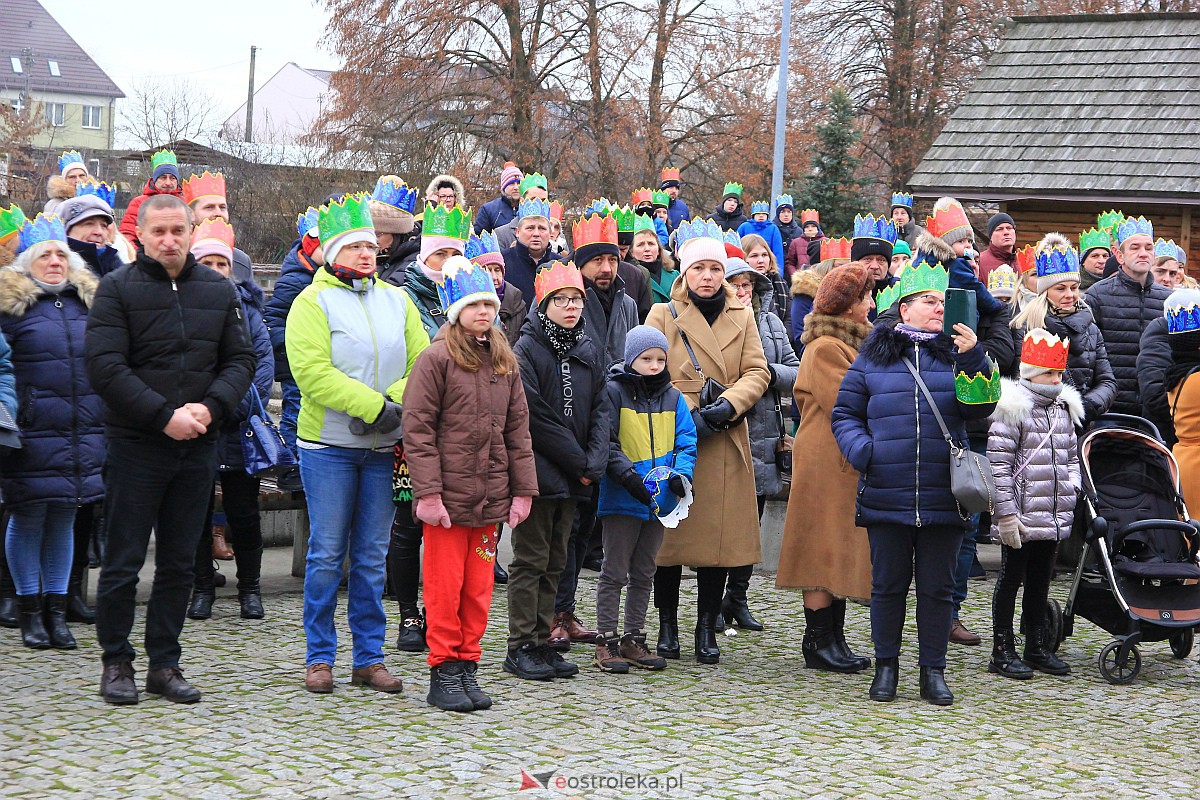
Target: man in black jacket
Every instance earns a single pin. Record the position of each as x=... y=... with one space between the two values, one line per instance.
x=169 y=353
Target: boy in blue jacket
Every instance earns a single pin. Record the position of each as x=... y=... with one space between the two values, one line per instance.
x=651 y=427
x=948 y=239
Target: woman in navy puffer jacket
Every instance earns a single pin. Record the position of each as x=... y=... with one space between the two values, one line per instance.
x=44 y=301
x=886 y=430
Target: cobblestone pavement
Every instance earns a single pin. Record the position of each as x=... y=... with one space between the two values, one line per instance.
x=757 y=725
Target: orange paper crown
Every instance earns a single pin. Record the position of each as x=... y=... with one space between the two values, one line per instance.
x=809 y=215
x=640 y=196
x=556 y=210
x=947 y=218
x=835 y=248
x=1026 y=259
x=1045 y=350
x=215 y=228
x=559 y=275
x=594 y=229
x=670 y=174
x=197 y=186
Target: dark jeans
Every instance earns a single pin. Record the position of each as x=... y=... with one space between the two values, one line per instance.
x=290 y=393
x=586 y=526
x=404 y=558
x=710 y=587
x=1033 y=565
x=239 y=499
x=895 y=549
x=164 y=488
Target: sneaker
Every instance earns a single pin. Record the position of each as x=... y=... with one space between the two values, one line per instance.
x=632 y=648
x=446 y=688
x=526 y=662
x=608 y=655
x=562 y=668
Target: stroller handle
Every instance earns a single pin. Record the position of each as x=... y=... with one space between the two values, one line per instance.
x=1189 y=529
x=1130 y=421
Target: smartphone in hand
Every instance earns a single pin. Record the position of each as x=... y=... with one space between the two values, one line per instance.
x=961 y=308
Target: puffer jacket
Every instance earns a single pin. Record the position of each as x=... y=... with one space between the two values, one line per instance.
x=424 y=295
x=60 y=415
x=1123 y=308
x=788 y=233
x=650 y=427
x=100 y=260
x=1035 y=460
x=568 y=412
x=768 y=231
x=513 y=311
x=229 y=446
x=804 y=291
x=128 y=226
x=766 y=422
x=295 y=274
x=466 y=437
x=1154 y=358
x=350 y=345
x=729 y=222
x=494 y=213
x=608 y=332
x=1088 y=368
x=886 y=430
x=677 y=212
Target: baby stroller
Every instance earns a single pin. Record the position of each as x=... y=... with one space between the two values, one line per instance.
x=1138 y=577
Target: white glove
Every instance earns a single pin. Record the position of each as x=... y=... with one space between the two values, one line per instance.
x=1010 y=531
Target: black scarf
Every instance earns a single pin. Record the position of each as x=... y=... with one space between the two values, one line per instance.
x=710 y=307
x=562 y=340
x=653 y=384
x=605 y=296
x=1185 y=358
x=653 y=267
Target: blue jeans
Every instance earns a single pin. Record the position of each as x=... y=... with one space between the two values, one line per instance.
x=40 y=542
x=349 y=494
x=291 y=410
x=968 y=548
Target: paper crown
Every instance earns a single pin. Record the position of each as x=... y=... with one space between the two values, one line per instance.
x=810 y=215
x=216 y=229
x=484 y=246
x=1026 y=259
x=307 y=222
x=532 y=180
x=558 y=275
x=700 y=229
x=922 y=277
x=1182 y=310
x=601 y=205
x=43 y=228
x=948 y=216
x=978 y=389
x=670 y=508
x=732 y=188
x=902 y=200
x=733 y=244
x=624 y=217
x=1134 y=226
x=207 y=184
x=68 y=158
x=835 y=248
x=1109 y=220
x=394 y=192
x=1043 y=349
x=595 y=228
x=556 y=210
x=12 y=220
x=670 y=174
x=162 y=157
x=1166 y=248
x=887 y=297
x=660 y=199
x=760 y=207
x=102 y=190
x=533 y=207
x=462 y=283
x=644 y=222
x=453 y=223
x=351 y=213
x=784 y=201
x=639 y=196
x=1057 y=260
x=872 y=227
x=1002 y=281
x=1093 y=238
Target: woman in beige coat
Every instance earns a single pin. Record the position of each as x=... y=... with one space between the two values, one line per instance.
x=823 y=553
x=721 y=529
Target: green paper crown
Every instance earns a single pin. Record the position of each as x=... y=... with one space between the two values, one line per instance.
x=660 y=199
x=162 y=157
x=642 y=222
x=887 y=297
x=351 y=214
x=453 y=223
x=12 y=220
x=531 y=180
x=1093 y=238
x=732 y=188
x=977 y=389
x=624 y=216
x=921 y=278
x=1109 y=220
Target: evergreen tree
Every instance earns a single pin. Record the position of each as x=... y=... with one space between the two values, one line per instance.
x=834 y=188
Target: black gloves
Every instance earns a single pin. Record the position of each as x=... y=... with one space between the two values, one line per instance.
x=676 y=485
x=633 y=484
x=387 y=421
x=717 y=414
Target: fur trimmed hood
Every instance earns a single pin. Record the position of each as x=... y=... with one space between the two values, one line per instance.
x=1016 y=403
x=58 y=188
x=844 y=330
x=805 y=283
x=18 y=292
x=886 y=346
x=935 y=248
x=460 y=193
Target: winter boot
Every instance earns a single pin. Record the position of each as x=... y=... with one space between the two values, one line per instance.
x=1005 y=660
x=249 y=573
x=470 y=684
x=221 y=550
x=734 y=607
x=707 y=650
x=933 y=686
x=668 y=632
x=204 y=592
x=608 y=654
x=1038 y=653
x=33 y=628
x=8 y=594
x=446 y=688
x=56 y=622
x=633 y=649
x=839 y=635
x=819 y=644
x=77 y=608
x=883 y=685
x=411 y=638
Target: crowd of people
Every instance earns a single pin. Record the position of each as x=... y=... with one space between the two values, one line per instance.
x=627 y=397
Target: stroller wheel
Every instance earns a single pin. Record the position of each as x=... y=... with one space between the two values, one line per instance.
x=1119 y=673
x=1054 y=625
x=1181 y=643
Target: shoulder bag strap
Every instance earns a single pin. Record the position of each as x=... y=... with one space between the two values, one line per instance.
x=1179 y=391
x=258 y=404
x=932 y=405
x=686 y=343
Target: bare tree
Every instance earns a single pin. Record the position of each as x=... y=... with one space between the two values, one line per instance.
x=161 y=111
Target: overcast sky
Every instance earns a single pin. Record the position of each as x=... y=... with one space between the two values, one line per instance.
x=207 y=42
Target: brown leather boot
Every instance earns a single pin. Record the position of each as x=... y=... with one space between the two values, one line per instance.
x=560 y=638
x=377 y=677
x=575 y=629
x=318 y=678
x=221 y=550
x=960 y=634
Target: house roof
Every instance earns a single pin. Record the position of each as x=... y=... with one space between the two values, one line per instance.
x=28 y=25
x=1102 y=106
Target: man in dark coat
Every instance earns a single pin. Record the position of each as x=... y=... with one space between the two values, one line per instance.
x=677 y=210
x=1153 y=359
x=1002 y=245
x=501 y=210
x=169 y=353
x=531 y=251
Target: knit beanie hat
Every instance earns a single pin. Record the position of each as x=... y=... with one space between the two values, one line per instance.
x=997 y=220
x=864 y=247
x=840 y=289
x=642 y=338
x=701 y=249
x=901 y=246
x=509 y=175
x=431 y=244
x=389 y=219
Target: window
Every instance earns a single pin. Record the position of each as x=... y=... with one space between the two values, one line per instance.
x=56 y=114
x=91 y=116
x=18 y=105
x=54 y=69
x=16 y=64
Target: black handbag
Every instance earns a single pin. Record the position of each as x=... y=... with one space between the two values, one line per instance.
x=263 y=447
x=971 y=480
x=712 y=390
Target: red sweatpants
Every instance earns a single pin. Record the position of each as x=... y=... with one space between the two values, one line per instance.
x=458 y=571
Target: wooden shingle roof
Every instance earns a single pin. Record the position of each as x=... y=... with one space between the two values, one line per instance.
x=1103 y=106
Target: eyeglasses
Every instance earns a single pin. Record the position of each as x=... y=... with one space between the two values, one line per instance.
x=562 y=301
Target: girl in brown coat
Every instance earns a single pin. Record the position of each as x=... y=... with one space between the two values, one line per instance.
x=823 y=553
x=466 y=436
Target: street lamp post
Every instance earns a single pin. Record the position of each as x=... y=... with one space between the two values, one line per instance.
x=781 y=103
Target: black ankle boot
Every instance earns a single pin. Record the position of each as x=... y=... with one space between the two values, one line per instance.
x=883 y=685
x=55 y=617
x=33 y=628
x=1038 y=654
x=201 y=605
x=707 y=651
x=933 y=686
x=411 y=638
x=819 y=645
x=77 y=609
x=668 y=632
x=1005 y=660
x=249 y=573
x=839 y=636
x=8 y=595
x=734 y=607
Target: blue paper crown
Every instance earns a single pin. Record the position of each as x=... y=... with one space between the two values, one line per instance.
x=461 y=280
x=42 y=228
x=533 y=207
x=102 y=190
x=700 y=229
x=1134 y=226
x=68 y=158
x=398 y=195
x=731 y=237
x=1167 y=248
x=481 y=245
x=902 y=200
x=1057 y=260
x=872 y=227
x=760 y=207
x=601 y=206
x=784 y=201
x=307 y=221
x=1183 y=319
